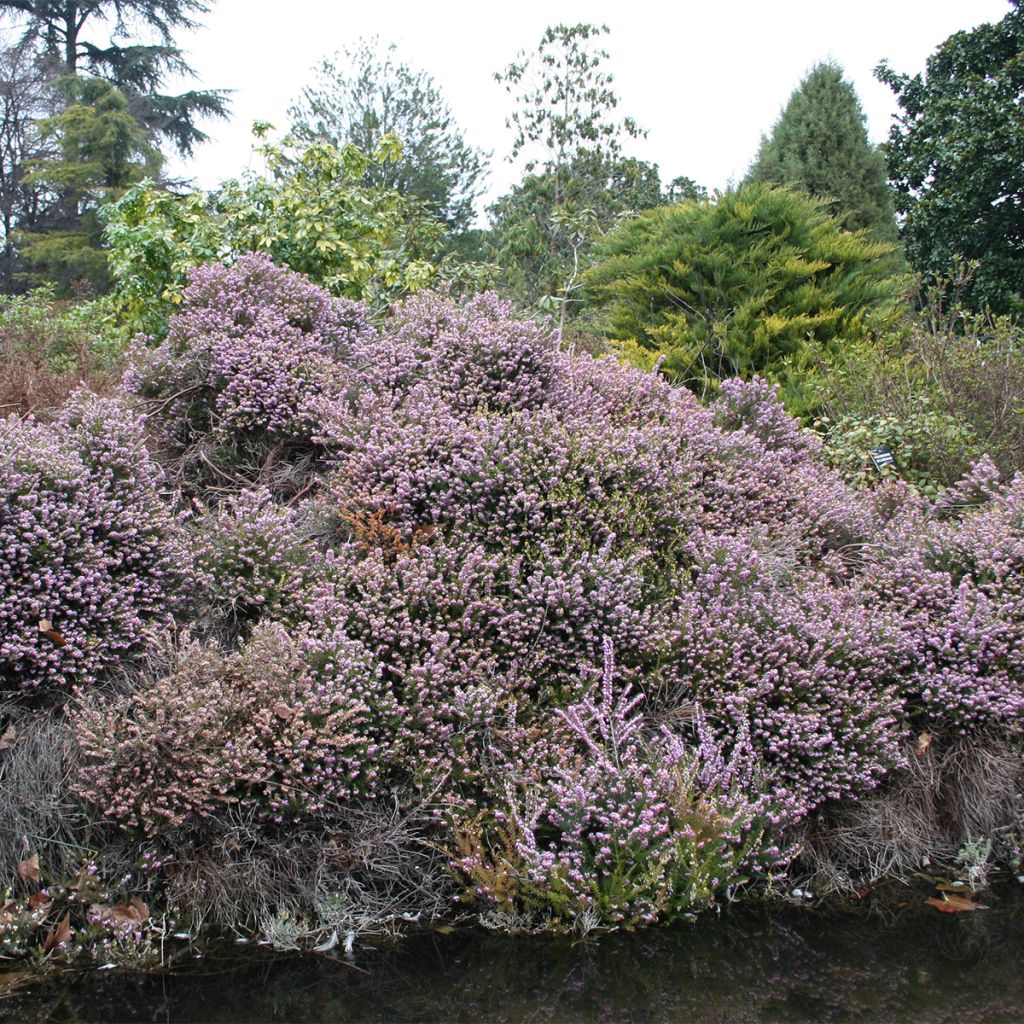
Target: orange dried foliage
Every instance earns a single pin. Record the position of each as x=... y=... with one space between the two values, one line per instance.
x=373 y=532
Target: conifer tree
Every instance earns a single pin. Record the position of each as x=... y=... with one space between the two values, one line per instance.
x=820 y=146
x=760 y=280
x=99 y=149
x=133 y=48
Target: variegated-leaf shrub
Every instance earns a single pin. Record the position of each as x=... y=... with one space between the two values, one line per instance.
x=91 y=557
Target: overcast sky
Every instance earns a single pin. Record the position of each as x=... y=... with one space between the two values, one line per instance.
x=705 y=79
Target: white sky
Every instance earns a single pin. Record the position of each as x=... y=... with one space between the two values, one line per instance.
x=705 y=79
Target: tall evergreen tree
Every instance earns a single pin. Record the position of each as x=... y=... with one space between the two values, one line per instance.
x=59 y=32
x=99 y=150
x=820 y=145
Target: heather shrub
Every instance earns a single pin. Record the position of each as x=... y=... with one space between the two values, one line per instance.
x=761 y=475
x=475 y=354
x=287 y=727
x=957 y=584
x=90 y=554
x=515 y=481
x=234 y=391
x=626 y=832
x=494 y=551
x=755 y=408
x=479 y=647
x=799 y=666
x=251 y=560
x=417 y=541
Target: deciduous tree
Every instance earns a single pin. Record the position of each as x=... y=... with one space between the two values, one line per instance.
x=312 y=211
x=577 y=180
x=369 y=94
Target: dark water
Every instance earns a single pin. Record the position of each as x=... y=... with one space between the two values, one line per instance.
x=919 y=965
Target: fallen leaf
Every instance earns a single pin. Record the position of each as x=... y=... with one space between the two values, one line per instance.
x=84 y=880
x=10 y=734
x=39 y=899
x=59 y=935
x=28 y=870
x=46 y=628
x=132 y=912
x=953 y=904
x=924 y=741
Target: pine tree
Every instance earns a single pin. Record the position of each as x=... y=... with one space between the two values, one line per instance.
x=820 y=146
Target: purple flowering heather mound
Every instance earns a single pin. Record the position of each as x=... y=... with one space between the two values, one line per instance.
x=234 y=391
x=489 y=550
x=956 y=587
x=622 y=643
x=282 y=729
x=90 y=555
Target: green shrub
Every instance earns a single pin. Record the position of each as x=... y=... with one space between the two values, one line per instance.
x=943 y=388
x=49 y=347
x=931 y=448
x=311 y=212
x=759 y=280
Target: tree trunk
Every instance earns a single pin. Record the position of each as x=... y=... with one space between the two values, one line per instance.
x=71 y=38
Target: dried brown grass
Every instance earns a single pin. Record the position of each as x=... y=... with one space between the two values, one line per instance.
x=371 y=868
x=38 y=813
x=951 y=794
